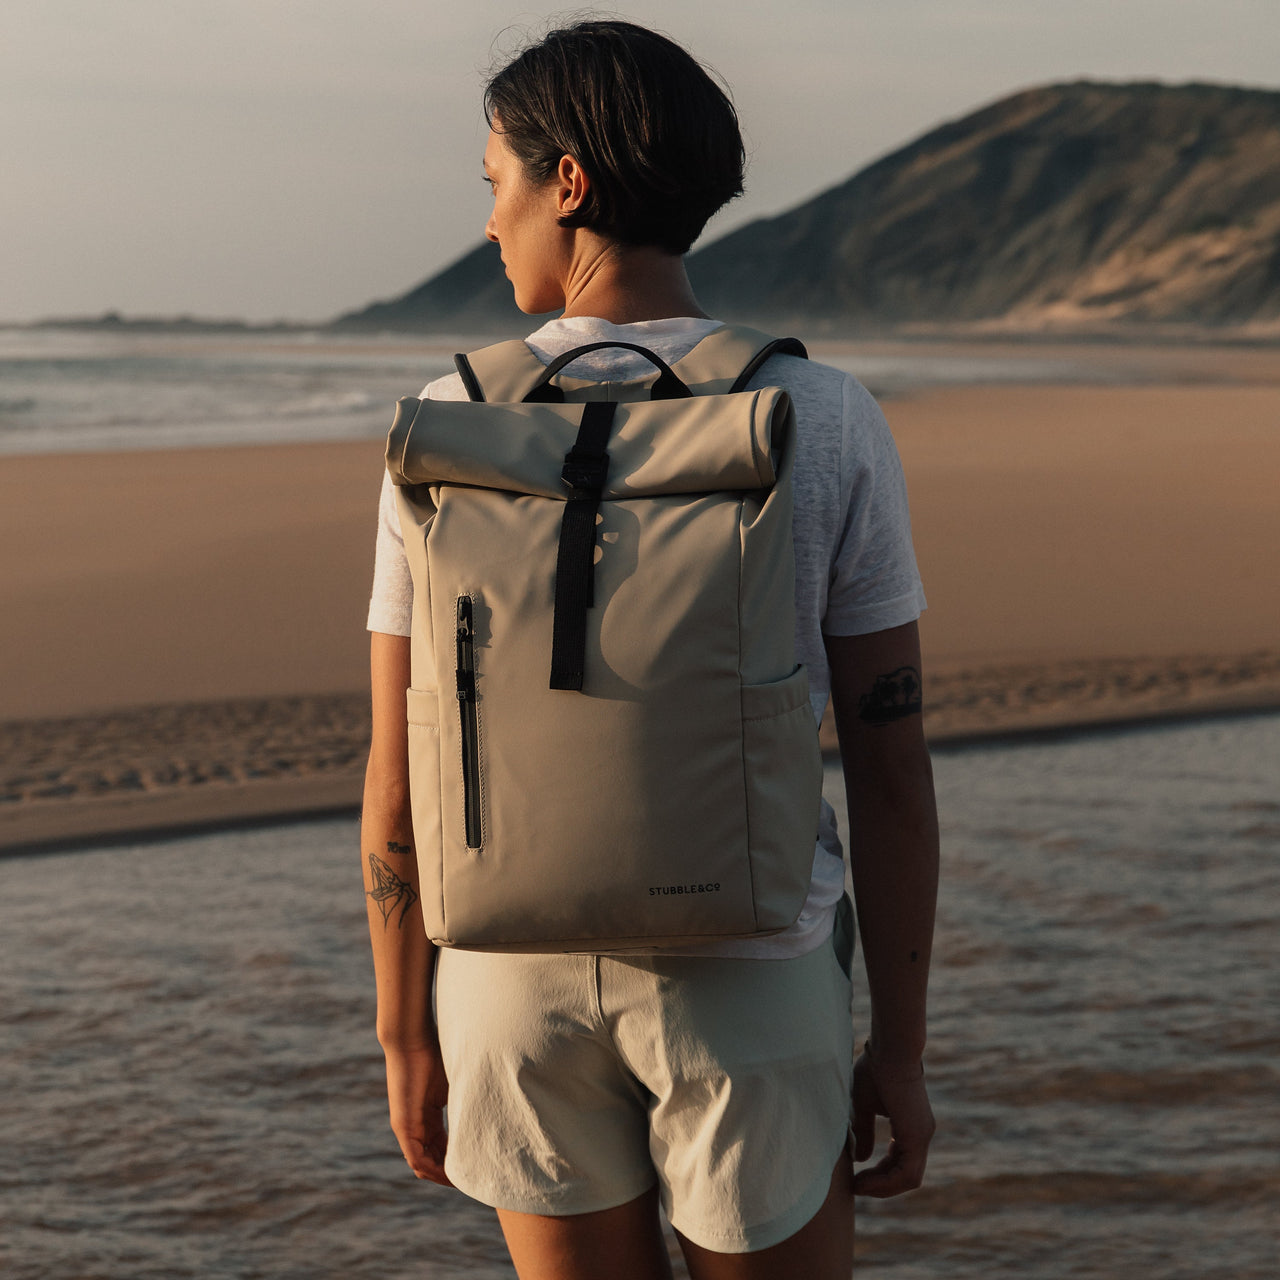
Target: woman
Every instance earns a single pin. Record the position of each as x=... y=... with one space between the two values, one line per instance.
x=583 y=1091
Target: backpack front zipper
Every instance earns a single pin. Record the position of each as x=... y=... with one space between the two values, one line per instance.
x=470 y=723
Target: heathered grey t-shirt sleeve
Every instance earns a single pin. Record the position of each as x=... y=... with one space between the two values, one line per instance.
x=874 y=581
x=391 y=601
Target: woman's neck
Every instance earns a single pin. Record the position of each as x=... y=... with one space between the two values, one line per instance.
x=624 y=284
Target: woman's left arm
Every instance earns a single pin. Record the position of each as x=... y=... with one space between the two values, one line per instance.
x=876 y=694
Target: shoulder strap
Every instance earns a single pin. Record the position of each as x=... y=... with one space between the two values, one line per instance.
x=728 y=357
x=501 y=373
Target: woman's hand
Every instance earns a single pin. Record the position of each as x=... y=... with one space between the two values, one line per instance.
x=417 y=1091
x=901 y=1096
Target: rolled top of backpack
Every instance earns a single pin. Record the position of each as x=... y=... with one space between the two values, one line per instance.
x=706 y=443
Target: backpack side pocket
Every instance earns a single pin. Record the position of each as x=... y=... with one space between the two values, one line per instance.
x=423 y=706
x=783 y=766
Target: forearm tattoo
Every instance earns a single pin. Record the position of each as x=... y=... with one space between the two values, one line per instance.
x=390 y=892
x=893 y=697
x=393 y=847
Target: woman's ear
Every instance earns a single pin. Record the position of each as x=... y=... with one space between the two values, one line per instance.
x=572 y=185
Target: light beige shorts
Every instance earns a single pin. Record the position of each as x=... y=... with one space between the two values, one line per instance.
x=577 y=1081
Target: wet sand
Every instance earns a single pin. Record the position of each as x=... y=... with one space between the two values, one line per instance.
x=183 y=641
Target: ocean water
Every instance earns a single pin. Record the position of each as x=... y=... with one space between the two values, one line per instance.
x=190 y=1085
x=100 y=389
x=86 y=389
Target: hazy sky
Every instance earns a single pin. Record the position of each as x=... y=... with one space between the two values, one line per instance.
x=296 y=158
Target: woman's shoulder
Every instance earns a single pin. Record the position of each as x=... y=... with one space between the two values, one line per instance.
x=820 y=392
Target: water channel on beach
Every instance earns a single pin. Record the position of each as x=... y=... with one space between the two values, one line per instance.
x=190 y=1085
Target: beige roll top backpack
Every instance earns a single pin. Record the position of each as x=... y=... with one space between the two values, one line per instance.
x=610 y=743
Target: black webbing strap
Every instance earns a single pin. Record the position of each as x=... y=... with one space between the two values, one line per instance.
x=585 y=468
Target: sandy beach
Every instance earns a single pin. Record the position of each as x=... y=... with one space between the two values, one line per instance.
x=183 y=630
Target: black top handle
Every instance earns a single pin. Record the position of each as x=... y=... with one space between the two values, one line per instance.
x=667 y=387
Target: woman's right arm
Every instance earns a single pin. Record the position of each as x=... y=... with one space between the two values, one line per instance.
x=403 y=958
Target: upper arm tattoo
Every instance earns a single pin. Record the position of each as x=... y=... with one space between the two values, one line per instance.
x=389 y=891
x=893 y=697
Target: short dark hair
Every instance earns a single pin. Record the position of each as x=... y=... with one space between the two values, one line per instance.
x=657 y=136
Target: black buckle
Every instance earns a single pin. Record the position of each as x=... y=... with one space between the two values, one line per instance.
x=585 y=471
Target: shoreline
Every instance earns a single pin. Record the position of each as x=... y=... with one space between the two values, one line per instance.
x=153 y=772
x=184 y=641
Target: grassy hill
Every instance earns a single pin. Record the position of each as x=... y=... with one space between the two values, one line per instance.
x=1071 y=206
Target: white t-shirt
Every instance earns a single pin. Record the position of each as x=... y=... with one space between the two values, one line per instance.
x=855 y=567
